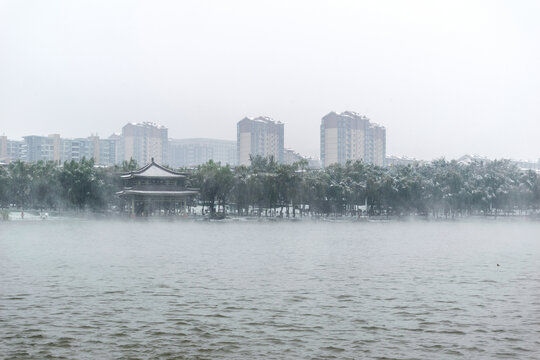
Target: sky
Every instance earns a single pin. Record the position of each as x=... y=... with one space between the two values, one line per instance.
x=445 y=78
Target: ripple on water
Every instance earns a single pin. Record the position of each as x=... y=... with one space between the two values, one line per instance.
x=269 y=291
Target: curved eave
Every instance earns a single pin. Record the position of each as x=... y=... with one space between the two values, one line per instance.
x=153 y=167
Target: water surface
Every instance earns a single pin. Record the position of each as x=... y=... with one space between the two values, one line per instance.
x=91 y=289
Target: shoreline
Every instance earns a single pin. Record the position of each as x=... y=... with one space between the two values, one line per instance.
x=33 y=216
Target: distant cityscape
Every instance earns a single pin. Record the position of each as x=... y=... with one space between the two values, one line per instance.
x=343 y=136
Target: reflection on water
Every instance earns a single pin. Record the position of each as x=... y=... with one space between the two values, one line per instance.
x=88 y=289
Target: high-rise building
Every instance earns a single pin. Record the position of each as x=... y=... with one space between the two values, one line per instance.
x=193 y=152
x=376 y=145
x=259 y=136
x=144 y=141
x=350 y=136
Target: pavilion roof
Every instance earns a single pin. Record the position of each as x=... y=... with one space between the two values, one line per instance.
x=153 y=170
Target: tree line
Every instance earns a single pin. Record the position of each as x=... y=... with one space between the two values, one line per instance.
x=440 y=188
x=265 y=188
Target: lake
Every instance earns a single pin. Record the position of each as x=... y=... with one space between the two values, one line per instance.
x=91 y=289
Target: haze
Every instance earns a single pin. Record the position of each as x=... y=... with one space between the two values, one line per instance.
x=444 y=78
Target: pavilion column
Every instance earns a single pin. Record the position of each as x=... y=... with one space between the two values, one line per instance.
x=133 y=206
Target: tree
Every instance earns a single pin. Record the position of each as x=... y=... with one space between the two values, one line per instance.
x=19 y=184
x=81 y=186
x=225 y=180
x=207 y=181
x=130 y=165
x=4 y=188
x=240 y=189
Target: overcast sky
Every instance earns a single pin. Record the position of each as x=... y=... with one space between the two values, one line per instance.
x=444 y=77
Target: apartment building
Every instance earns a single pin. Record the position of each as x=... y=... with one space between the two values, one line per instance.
x=41 y=148
x=350 y=136
x=259 y=136
x=144 y=141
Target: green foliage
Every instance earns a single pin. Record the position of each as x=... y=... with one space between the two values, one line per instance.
x=4 y=187
x=45 y=185
x=19 y=183
x=51 y=186
x=215 y=183
x=81 y=185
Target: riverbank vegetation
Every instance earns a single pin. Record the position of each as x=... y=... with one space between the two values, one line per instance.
x=439 y=189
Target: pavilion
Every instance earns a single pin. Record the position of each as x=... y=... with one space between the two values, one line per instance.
x=156 y=191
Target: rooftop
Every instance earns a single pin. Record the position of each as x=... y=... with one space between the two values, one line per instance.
x=153 y=170
x=147 y=124
x=262 y=119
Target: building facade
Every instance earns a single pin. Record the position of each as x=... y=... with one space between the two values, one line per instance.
x=54 y=148
x=194 y=152
x=15 y=149
x=108 y=151
x=10 y=150
x=350 y=136
x=376 y=145
x=103 y=151
x=76 y=149
x=3 y=149
x=41 y=148
x=259 y=136
x=144 y=141
x=290 y=156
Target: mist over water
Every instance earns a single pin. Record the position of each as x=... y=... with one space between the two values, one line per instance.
x=107 y=289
